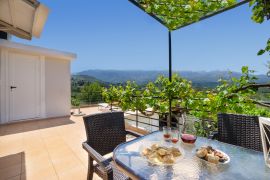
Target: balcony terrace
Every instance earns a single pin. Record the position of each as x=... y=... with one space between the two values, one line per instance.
x=44 y=149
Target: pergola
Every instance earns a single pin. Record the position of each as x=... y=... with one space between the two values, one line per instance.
x=177 y=14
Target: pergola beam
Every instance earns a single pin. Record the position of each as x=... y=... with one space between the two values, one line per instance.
x=152 y=15
x=201 y=18
x=135 y=2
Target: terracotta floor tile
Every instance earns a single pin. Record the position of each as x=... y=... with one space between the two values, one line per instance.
x=10 y=171
x=15 y=139
x=65 y=164
x=35 y=177
x=82 y=155
x=43 y=168
x=60 y=152
x=44 y=149
x=11 y=160
x=40 y=158
x=6 y=150
x=13 y=128
x=15 y=178
x=78 y=173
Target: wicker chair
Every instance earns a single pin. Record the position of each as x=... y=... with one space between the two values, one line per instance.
x=240 y=130
x=104 y=132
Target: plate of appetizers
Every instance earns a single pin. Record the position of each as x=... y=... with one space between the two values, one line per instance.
x=161 y=154
x=212 y=155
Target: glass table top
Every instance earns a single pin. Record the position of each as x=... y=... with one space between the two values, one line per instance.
x=244 y=163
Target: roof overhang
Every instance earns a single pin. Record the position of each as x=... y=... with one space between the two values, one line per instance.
x=23 y=18
x=36 y=50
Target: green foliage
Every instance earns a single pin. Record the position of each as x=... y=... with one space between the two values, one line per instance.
x=111 y=94
x=179 y=89
x=266 y=49
x=182 y=12
x=75 y=101
x=174 y=14
x=91 y=93
x=230 y=96
x=261 y=12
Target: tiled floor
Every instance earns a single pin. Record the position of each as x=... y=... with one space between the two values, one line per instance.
x=44 y=149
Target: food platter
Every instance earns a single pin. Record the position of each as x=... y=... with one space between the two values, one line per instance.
x=161 y=154
x=213 y=156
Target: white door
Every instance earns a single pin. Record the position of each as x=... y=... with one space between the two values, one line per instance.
x=24 y=86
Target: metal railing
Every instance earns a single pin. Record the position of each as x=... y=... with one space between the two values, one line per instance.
x=150 y=122
x=139 y=119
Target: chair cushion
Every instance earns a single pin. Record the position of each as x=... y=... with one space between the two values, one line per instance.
x=117 y=174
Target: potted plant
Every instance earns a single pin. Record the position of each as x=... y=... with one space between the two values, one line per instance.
x=75 y=102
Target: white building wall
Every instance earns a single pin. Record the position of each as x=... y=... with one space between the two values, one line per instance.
x=54 y=81
x=3 y=83
x=57 y=87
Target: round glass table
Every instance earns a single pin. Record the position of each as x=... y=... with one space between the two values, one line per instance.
x=244 y=163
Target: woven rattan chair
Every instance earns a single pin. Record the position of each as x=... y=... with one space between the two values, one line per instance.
x=240 y=130
x=104 y=132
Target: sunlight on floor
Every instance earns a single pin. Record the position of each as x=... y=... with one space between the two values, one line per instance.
x=44 y=149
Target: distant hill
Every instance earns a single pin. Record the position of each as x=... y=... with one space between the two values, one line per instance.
x=200 y=78
x=80 y=80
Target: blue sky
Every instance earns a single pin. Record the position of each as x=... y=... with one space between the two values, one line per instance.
x=108 y=34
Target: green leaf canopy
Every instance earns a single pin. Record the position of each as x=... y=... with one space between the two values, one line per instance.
x=175 y=14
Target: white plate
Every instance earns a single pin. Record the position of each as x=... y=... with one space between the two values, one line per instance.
x=226 y=155
x=167 y=145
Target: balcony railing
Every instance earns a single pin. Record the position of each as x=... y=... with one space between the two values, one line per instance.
x=154 y=122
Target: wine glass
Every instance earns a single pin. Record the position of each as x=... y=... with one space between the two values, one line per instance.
x=189 y=132
x=175 y=135
x=166 y=133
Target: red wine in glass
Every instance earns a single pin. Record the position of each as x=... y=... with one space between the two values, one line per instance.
x=166 y=136
x=188 y=138
x=174 y=140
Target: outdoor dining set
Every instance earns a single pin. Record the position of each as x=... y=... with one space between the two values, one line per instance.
x=238 y=150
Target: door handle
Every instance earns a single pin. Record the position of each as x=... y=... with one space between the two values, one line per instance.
x=13 y=87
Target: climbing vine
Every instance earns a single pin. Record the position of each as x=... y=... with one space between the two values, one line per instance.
x=234 y=95
x=261 y=13
x=174 y=14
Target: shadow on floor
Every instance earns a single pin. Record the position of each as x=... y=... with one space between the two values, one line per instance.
x=13 y=166
x=32 y=125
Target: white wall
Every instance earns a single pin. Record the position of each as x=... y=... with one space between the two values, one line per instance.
x=3 y=84
x=57 y=87
x=55 y=79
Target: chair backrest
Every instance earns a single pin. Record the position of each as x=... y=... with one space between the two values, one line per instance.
x=105 y=131
x=240 y=130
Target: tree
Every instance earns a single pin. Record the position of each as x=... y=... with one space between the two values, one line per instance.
x=91 y=93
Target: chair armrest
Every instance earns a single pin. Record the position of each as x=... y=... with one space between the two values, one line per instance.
x=213 y=135
x=102 y=162
x=133 y=133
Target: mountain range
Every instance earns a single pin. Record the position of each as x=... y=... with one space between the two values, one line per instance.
x=199 y=78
